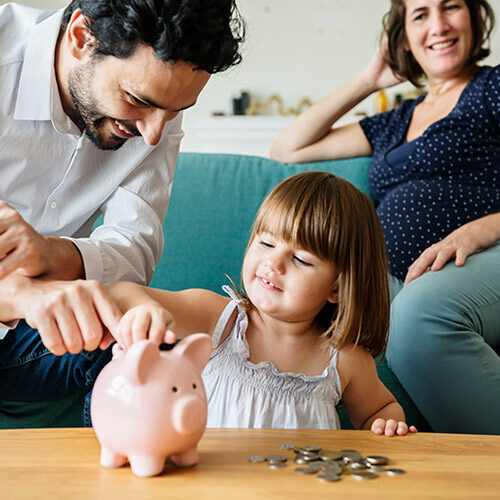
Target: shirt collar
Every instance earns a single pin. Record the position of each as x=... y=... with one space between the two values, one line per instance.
x=38 y=95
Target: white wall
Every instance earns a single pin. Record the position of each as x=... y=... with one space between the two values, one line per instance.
x=296 y=48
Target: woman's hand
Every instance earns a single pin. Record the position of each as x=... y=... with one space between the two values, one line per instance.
x=147 y=321
x=378 y=73
x=391 y=427
x=458 y=245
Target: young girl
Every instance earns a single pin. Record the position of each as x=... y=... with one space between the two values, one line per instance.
x=302 y=336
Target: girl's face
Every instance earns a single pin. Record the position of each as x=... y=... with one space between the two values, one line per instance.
x=285 y=282
x=439 y=35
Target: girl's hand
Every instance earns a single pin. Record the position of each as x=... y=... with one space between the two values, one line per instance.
x=458 y=245
x=378 y=73
x=147 y=321
x=391 y=427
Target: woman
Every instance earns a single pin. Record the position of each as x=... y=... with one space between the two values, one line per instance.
x=436 y=176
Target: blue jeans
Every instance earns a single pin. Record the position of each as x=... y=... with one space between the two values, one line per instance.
x=30 y=372
x=444 y=344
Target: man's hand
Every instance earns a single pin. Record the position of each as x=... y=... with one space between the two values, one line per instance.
x=31 y=254
x=70 y=315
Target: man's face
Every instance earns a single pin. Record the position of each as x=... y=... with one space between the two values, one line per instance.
x=117 y=99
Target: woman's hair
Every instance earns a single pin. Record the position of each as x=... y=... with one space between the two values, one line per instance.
x=206 y=33
x=329 y=217
x=402 y=62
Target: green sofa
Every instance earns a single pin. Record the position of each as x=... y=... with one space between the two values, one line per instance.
x=214 y=200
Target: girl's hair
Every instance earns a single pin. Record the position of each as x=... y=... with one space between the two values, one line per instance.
x=329 y=217
x=402 y=61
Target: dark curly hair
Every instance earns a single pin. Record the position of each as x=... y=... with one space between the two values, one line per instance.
x=405 y=65
x=206 y=33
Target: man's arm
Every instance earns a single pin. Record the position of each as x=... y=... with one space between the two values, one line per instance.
x=31 y=254
x=69 y=315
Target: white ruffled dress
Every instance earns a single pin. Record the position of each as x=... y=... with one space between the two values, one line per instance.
x=248 y=395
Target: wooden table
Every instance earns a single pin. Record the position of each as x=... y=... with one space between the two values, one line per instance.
x=63 y=464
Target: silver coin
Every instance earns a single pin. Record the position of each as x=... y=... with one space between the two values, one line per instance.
x=276 y=465
x=330 y=455
x=299 y=460
x=256 y=459
x=395 y=472
x=311 y=457
x=363 y=474
x=306 y=470
x=357 y=465
x=276 y=458
x=287 y=447
x=378 y=468
x=332 y=467
x=328 y=477
x=351 y=456
x=377 y=460
x=312 y=449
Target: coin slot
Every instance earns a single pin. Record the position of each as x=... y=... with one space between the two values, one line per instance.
x=174 y=389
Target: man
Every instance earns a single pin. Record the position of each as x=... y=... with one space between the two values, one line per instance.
x=90 y=124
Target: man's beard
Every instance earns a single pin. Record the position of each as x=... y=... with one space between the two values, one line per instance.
x=89 y=117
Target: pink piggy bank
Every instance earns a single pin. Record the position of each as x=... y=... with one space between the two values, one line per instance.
x=148 y=405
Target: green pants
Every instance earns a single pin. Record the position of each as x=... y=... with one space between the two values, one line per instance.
x=444 y=342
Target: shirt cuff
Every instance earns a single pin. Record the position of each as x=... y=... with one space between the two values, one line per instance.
x=91 y=256
x=5 y=327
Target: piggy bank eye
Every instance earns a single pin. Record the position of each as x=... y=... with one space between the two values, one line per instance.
x=194 y=386
x=174 y=389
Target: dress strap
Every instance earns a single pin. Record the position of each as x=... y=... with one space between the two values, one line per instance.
x=224 y=317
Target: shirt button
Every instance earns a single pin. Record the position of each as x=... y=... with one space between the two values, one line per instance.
x=53 y=204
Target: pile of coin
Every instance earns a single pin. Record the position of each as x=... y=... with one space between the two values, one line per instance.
x=329 y=465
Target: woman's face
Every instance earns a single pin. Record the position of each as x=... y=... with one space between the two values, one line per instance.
x=439 y=35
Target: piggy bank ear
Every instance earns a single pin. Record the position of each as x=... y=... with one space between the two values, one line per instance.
x=196 y=348
x=139 y=360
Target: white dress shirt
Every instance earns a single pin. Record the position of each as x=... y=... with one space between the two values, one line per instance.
x=58 y=180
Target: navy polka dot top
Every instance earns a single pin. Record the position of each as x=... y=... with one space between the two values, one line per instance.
x=451 y=174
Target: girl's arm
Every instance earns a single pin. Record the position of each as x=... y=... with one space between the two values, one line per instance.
x=310 y=137
x=151 y=313
x=369 y=403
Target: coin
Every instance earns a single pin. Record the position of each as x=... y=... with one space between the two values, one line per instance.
x=330 y=455
x=287 y=446
x=350 y=456
x=378 y=468
x=310 y=457
x=299 y=459
x=357 y=465
x=394 y=472
x=306 y=470
x=276 y=458
x=328 y=477
x=377 y=460
x=256 y=459
x=363 y=474
x=276 y=465
x=312 y=449
x=332 y=467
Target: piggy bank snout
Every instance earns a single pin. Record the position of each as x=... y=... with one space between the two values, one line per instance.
x=189 y=415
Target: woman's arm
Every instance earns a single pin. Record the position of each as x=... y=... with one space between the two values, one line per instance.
x=458 y=245
x=310 y=137
x=152 y=313
x=368 y=402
